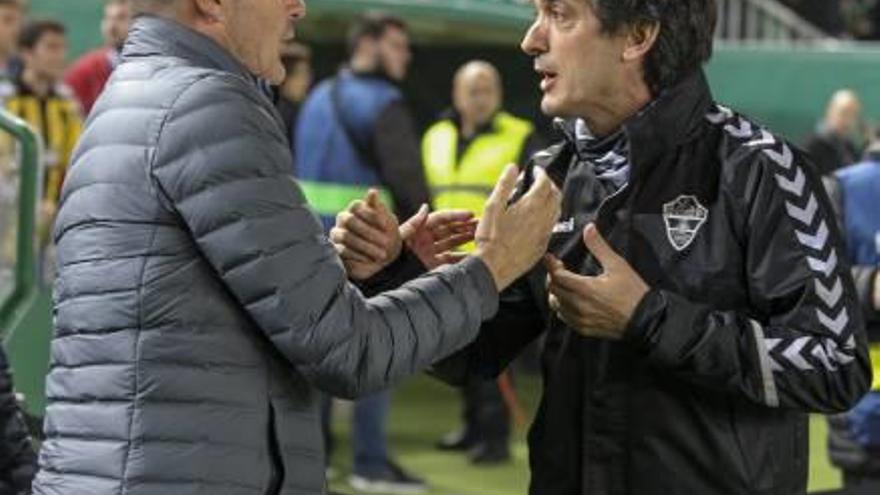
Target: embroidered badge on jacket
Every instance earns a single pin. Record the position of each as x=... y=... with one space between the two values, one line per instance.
x=683 y=218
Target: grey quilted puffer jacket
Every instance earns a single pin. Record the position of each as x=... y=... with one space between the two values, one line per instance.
x=199 y=307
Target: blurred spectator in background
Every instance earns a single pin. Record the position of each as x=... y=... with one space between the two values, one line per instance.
x=355 y=133
x=88 y=75
x=297 y=59
x=862 y=18
x=39 y=97
x=854 y=437
x=18 y=463
x=464 y=155
x=10 y=26
x=834 y=145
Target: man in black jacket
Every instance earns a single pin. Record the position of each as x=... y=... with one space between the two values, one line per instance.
x=18 y=463
x=699 y=302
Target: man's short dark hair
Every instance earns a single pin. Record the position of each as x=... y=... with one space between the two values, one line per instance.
x=372 y=25
x=684 y=43
x=11 y=3
x=34 y=31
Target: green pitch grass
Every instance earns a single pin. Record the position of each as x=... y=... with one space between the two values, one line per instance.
x=425 y=409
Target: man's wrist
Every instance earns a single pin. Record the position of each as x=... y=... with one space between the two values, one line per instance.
x=497 y=267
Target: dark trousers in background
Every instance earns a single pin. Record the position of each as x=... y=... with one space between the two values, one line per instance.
x=486 y=416
x=368 y=433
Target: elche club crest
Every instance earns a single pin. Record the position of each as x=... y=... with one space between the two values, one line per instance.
x=684 y=217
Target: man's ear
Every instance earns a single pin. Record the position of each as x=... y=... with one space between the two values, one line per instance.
x=640 y=39
x=212 y=10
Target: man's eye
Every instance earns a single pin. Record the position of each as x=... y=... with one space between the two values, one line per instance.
x=557 y=13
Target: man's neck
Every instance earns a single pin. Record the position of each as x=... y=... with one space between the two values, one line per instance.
x=468 y=128
x=40 y=86
x=609 y=117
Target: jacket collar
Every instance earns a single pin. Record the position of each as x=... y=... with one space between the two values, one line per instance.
x=152 y=35
x=675 y=117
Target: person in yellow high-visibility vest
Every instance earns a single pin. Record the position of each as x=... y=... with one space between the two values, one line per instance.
x=464 y=154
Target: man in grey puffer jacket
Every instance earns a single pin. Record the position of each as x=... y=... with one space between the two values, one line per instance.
x=198 y=305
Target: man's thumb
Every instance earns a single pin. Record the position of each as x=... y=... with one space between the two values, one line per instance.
x=599 y=247
x=372 y=198
x=412 y=225
x=505 y=186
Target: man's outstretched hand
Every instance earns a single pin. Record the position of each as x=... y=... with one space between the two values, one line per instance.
x=368 y=238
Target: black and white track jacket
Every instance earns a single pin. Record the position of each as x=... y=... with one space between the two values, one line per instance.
x=752 y=321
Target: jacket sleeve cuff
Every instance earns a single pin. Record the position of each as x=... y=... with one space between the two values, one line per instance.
x=485 y=284
x=658 y=312
x=643 y=330
x=406 y=267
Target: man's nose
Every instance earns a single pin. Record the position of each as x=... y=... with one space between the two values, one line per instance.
x=296 y=9
x=535 y=40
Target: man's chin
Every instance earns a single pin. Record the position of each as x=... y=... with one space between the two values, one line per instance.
x=276 y=75
x=551 y=108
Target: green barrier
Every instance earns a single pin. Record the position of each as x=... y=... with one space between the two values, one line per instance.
x=24 y=279
x=25 y=321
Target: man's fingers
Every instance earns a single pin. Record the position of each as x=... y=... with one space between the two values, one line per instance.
x=552 y=263
x=543 y=189
x=346 y=238
x=503 y=189
x=415 y=223
x=565 y=282
x=441 y=231
x=365 y=212
x=452 y=242
x=599 y=247
x=444 y=217
x=350 y=256
x=364 y=230
x=347 y=255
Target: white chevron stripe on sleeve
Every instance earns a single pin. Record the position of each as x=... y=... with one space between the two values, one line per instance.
x=771 y=344
x=793 y=354
x=795 y=186
x=784 y=159
x=822 y=356
x=742 y=131
x=804 y=215
x=837 y=324
x=766 y=139
x=817 y=241
x=829 y=296
x=838 y=355
x=825 y=267
x=720 y=115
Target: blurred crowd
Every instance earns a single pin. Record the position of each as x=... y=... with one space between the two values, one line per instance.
x=453 y=164
x=857 y=19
